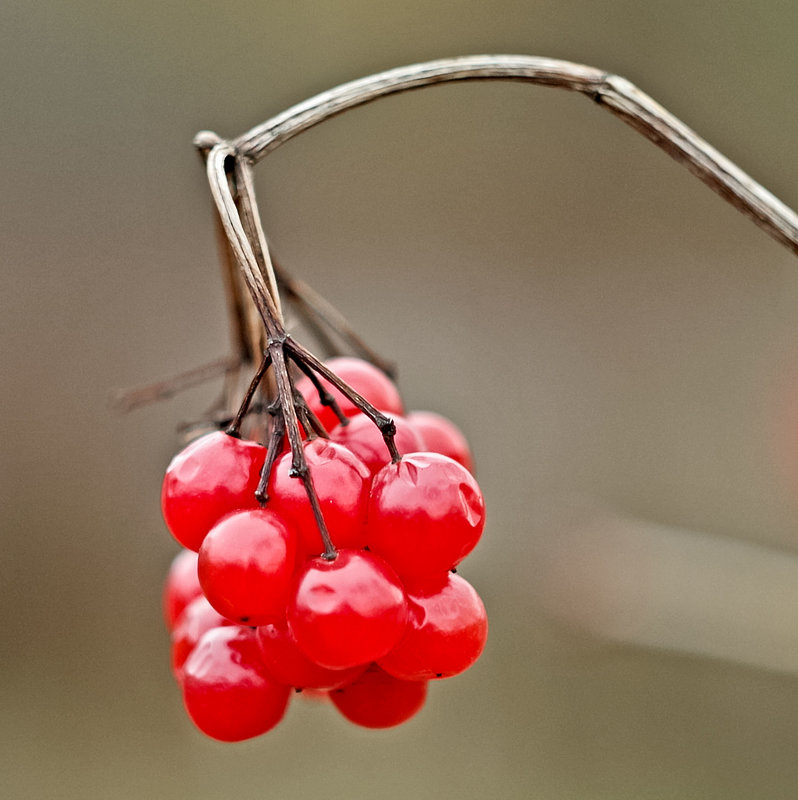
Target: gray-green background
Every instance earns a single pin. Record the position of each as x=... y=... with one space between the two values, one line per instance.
x=597 y=321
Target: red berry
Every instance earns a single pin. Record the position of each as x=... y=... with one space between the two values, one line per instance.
x=378 y=700
x=226 y=689
x=446 y=632
x=364 y=439
x=348 y=611
x=198 y=617
x=245 y=566
x=286 y=663
x=214 y=475
x=181 y=586
x=440 y=435
x=364 y=378
x=426 y=514
x=341 y=481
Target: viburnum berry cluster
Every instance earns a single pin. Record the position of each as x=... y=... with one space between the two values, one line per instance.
x=321 y=525
x=322 y=561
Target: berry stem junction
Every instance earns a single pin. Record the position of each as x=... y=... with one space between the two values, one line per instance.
x=230 y=181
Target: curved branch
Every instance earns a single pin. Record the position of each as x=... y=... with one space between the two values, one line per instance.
x=242 y=247
x=618 y=95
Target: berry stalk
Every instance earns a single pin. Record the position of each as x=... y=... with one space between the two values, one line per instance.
x=231 y=186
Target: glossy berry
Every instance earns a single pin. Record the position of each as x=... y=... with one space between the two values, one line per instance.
x=426 y=514
x=342 y=483
x=364 y=378
x=198 y=617
x=441 y=435
x=287 y=664
x=214 y=475
x=364 y=439
x=378 y=700
x=245 y=566
x=348 y=611
x=181 y=586
x=446 y=632
x=226 y=690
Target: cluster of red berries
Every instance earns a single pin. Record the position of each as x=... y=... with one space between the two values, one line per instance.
x=255 y=607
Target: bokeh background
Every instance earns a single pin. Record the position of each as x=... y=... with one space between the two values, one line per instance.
x=620 y=346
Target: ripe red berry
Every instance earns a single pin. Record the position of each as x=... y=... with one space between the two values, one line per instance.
x=226 y=689
x=214 y=475
x=426 y=514
x=364 y=439
x=287 y=664
x=446 y=631
x=441 y=435
x=378 y=700
x=348 y=611
x=342 y=484
x=198 y=617
x=364 y=378
x=245 y=566
x=181 y=586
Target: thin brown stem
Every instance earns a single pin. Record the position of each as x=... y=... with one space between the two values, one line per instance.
x=330 y=553
x=285 y=400
x=246 y=337
x=616 y=94
x=310 y=422
x=274 y=448
x=315 y=310
x=302 y=412
x=221 y=161
x=235 y=427
x=237 y=212
x=130 y=399
x=299 y=464
x=385 y=424
x=304 y=296
x=325 y=398
x=250 y=219
x=238 y=309
x=219 y=418
x=311 y=321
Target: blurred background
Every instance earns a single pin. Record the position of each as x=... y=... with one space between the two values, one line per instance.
x=620 y=346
